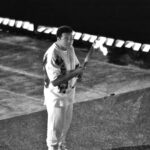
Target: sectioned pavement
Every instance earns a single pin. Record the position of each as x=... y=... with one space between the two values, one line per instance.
x=21 y=80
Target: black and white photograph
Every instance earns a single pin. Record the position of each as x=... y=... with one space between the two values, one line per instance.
x=74 y=75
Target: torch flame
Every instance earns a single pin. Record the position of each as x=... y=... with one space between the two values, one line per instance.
x=98 y=44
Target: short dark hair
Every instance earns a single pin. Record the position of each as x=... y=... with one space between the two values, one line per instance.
x=63 y=29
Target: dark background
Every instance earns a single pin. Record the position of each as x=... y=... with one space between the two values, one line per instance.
x=126 y=19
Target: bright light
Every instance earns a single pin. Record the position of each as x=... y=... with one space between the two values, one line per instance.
x=6 y=21
x=129 y=44
x=119 y=43
x=85 y=37
x=41 y=28
x=31 y=27
x=12 y=22
x=73 y=33
x=19 y=23
x=26 y=25
x=1 y=19
x=77 y=35
x=103 y=50
x=145 y=47
x=109 y=41
x=136 y=46
x=48 y=30
x=100 y=41
x=92 y=38
x=98 y=44
x=54 y=31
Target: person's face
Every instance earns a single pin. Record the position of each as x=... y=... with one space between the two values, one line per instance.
x=66 y=40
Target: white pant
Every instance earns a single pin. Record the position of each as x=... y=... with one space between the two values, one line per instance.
x=58 y=123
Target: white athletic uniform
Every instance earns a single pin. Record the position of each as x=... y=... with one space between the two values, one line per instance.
x=59 y=99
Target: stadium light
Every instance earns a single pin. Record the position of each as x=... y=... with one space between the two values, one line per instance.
x=54 y=31
x=11 y=22
x=73 y=33
x=19 y=24
x=136 y=46
x=93 y=38
x=145 y=47
x=48 y=30
x=119 y=43
x=1 y=19
x=86 y=37
x=102 y=39
x=41 y=28
x=30 y=27
x=77 y=35
x=5 y=21
x=129 y=44
x=109 y=41
x=26 y=25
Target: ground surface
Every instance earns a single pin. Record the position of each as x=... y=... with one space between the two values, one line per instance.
x=100 y=120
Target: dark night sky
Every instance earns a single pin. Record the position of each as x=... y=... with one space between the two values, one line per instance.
x=120 y=18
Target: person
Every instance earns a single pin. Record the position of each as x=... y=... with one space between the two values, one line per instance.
x=59 y=61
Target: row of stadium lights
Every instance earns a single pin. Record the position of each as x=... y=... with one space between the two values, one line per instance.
x=100 y=40
x=17 y=23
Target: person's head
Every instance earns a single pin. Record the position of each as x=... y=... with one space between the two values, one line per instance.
x=64 y=36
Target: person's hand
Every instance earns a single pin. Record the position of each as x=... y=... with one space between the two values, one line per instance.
x=80 y=73
x=80 y=70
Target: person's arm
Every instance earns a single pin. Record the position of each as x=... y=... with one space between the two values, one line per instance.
x=51 y=69
x=67 y=77
x=78 y=72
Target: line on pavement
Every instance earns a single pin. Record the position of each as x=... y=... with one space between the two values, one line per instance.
x=20 y=72
x=22 y=95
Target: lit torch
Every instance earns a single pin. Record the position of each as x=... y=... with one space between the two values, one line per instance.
x=98 y=44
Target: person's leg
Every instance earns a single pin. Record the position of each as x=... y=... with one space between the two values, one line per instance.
x=55 y=123
x=67 y=122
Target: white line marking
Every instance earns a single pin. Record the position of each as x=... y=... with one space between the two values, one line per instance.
x=22 y=95
x=21 y=72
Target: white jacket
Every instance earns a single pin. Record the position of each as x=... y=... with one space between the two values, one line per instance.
x=57 y=62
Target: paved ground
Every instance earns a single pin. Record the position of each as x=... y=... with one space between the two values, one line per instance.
x=21 y=93
x=21 y=76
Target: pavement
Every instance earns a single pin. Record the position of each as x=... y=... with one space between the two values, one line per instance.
x=111 y=109
x=21 y=77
